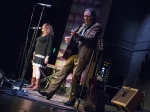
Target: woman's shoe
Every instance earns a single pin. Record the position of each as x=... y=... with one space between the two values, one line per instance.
x=33 y=80
x=37 y=85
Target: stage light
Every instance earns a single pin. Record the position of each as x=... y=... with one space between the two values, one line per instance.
x=54 y=50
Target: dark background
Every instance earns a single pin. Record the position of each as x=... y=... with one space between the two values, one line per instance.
x=127 y=41
x=15 y=16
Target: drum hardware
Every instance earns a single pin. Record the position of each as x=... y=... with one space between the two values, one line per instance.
x=4 y=82
x=7 y=83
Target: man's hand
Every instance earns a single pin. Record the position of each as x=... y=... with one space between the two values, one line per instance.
x=67 y=39
x=73 y=32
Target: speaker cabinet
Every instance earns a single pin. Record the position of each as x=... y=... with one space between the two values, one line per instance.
x=127 y=99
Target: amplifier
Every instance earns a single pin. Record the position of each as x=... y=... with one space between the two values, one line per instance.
x=127 y=99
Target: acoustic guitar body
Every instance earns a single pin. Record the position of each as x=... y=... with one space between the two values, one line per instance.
x=68 y=50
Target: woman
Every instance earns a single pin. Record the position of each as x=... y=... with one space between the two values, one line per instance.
x=41 y=54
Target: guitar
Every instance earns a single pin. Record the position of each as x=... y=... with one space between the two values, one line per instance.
x=70 y=46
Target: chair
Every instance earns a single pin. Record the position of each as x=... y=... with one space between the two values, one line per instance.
x=55 y=71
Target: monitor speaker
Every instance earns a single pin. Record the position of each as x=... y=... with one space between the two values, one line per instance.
x=127 y=99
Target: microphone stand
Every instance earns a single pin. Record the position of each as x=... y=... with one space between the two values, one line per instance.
x=80 y=95
x=27 y=58
x=24 y=45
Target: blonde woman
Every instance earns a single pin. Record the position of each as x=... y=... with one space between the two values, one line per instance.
x=41 y=54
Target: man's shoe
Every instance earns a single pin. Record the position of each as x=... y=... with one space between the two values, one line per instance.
x=43 y=93
x=69 y=103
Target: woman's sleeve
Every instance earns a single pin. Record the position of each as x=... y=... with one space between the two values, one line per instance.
x=49 y=45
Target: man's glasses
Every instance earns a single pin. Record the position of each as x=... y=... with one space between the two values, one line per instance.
x=87 y=16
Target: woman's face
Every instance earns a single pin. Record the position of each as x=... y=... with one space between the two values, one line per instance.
x=44 y=29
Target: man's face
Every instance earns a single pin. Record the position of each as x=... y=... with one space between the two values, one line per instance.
x=88 y=17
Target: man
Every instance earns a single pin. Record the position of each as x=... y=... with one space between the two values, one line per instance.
x=87 y=34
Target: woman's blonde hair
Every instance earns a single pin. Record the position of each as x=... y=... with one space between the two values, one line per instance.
x=49 y=29
x=49 y=26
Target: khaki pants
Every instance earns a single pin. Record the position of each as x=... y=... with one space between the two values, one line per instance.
x=75 y=65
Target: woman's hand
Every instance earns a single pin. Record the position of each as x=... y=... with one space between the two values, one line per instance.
x=46 y=59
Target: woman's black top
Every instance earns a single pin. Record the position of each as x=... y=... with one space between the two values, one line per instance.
x=44 y=45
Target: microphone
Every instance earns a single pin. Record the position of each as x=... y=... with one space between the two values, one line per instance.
x=44 y=5
x=35 y=28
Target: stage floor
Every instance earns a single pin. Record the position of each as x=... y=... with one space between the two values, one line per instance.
x=32 y=101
